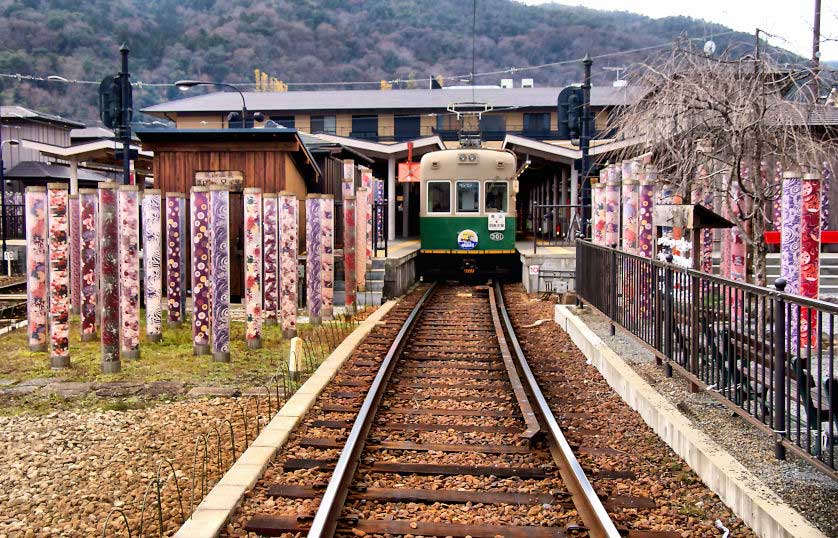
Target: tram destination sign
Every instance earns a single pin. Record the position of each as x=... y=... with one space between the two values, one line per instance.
x=231 y=178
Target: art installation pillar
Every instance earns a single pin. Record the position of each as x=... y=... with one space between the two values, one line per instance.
x=790 y=245
x=612 y=206
x=629 y=214
x=810 y=248
x=738 y=248
x=129 y=269
x=327 y=246
x=58 y=224
x=253 y=266
x=75 y=254
x=378 y=196
x=153 y=264
x=349 y=275
x=826 y=182
x=314 y=266
x=201 y=316
x=220 y=271
x=36 y=267
x=366 y=183
x=362 y=215
x=89 y=271
x=645 y=202
x=348 y=183
x=288 y=246
x=727 y=212
x=778 y=201
x=109 y=276
x=175 y=253
x=270 y=246
x=598 y=212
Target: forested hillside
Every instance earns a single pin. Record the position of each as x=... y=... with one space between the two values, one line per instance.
x=305 y=41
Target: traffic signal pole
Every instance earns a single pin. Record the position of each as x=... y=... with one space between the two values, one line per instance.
x=585 y=142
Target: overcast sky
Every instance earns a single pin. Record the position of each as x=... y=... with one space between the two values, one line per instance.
x=790 y=19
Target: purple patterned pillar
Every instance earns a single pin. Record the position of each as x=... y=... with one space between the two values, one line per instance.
x=366 y=183
x=810 y=248
x=597 y=226
x=362 y=215
x=645 y=202
x=612 y=206
x=109 y=277
x=58 y=223
x=630 y=209
x=327 y=246
x=201 y=318
x=36 y=267
x=75 y=254
x=129 y=269
x=253 y=266
x=790 y=245
x=349 y=275
x=270 y=246
x=378 y=196
x=288 y=246
x=153 y=264
x=175 y=254
x=89 y=272
x=220 y=271
x=314 y=265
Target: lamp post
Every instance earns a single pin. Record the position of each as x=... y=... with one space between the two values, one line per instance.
x=186 y=85
x=11 y=142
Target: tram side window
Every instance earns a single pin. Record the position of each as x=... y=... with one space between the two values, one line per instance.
x=439 y=197
x=468 y=197
x=496 y=196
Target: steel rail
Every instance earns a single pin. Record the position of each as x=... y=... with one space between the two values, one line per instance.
x=592 y=511
x=328 y=512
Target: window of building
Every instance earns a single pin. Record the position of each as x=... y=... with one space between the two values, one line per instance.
x=468 y=197
x=284 y=121
x=447 y=122
x=439 y=196
x=364 y=126
x=323 y=124
x=406 y=127
x=493 y=123
x=537 y=122
x=496 y=196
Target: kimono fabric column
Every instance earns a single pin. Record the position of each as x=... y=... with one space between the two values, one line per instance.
x=59 y=278
x=327 y=246
x=738 y=248
x=201 y=318
x=810 y=247
x=129 y=269
x=349 y=252
x=378 y=197
x=724 y=259
x=270 y=244
x=790 y=247
x=288 y=241
x=89 y=272
x=75 y=254
x=366 y=183
x=826 y=174
x=645 y=200
x=778 y=201
x=362 y=214
x=109 y=277
x=314 y=236
x=630 y=201
x=220 y=220
x=612 y=207
x=175 y=262
x=253 y=266
x=153 y=264
x=36 y=268
x=598 y=197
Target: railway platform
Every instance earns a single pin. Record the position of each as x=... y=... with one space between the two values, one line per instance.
x=547 y=268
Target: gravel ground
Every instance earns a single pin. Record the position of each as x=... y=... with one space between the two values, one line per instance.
x=800 y=485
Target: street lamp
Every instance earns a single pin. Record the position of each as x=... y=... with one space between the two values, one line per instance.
x=10 y=142
x=186 y=85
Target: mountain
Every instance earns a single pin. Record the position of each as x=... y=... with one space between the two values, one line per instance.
x=308 y=41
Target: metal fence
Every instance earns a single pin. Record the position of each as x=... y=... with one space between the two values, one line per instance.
x=768 y=355
x=555 y=224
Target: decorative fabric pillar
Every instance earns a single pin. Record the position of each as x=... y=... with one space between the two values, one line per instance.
x=201 y=315
x=75 y=254
x=378 y=197
x=59 y=275
x=826 y=182
x=129 y=269
x=314 y=264
x=349 y=275
x=778 y=204
x=327 y=246
x=810 y=248
x=36 y=267
x=348 y=183
x=220 y=264
x=253 y=266
x=790 y=244
x=738 y=248
x=366 y=183
x=289 y=242
x=598 y=213
x=175 y=253
x=727 y=212
x=646 y=199
x=270 y=245
x=109 y=277
x=629 y=214
x=153 y=264
x=362 y=215
x=89 y=271
x=612 y=206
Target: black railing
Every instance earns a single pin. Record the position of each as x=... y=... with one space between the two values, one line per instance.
x=769 y=355
x=555 y=224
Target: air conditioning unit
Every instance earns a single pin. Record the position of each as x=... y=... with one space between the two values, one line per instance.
x=527 y=83
x=506 y=83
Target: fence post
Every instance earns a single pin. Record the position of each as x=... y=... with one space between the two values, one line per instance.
x=613 y=288
x=534 y=229
x=667 y=289
x=780 y=370
x=695 y=324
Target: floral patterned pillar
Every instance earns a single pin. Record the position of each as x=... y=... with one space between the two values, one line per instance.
x=75 y=254
x=366 y=183
x=598 y=213
x=314 y=265
x=630 y=209
x=175 y=253
x=220 y=271
x=810 y=248
x=153 y=264
x=612 y=206
x=36 y=267
x=89 y=271
x=378 y=196
x=58 y=223
x=362 y=215
x=645 y=202
x=327 y=247
x=270 y=246
x=826 y=174
x=253 y=266
x=348 y=183
x=288 y=246
x=129 y=269
x=201 y=316
x=109 y=277
x=790 y=244
x=349 y=275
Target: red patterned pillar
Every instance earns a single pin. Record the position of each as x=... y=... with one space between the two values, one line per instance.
x=109 y=277
x=810 y=248
x=349 y=252
x=89 y=271
x=59 y=277
x=36 y=267
x=129 y=269
x=75 y=254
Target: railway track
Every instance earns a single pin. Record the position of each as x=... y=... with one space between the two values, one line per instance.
x=446 y=433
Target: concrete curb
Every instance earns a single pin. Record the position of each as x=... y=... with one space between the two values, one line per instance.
x=750 y=499
x=210 y=517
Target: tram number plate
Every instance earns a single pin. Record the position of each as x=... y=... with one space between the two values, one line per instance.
x=496 y=236
x=497 y=222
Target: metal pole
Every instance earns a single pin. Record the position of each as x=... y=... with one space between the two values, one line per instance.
x=125 y=87
x=585 y=138
x=780 y=370
x=613 y=289
x=667 y=289
x=3 y=197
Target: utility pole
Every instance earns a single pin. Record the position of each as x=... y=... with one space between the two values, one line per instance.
x=816 y=36
x=127 y=113
x=585 y=139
